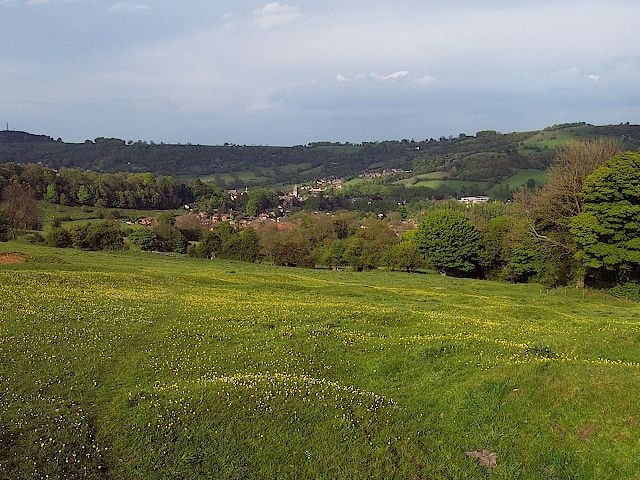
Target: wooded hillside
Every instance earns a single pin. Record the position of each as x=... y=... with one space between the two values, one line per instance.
x=486 y=156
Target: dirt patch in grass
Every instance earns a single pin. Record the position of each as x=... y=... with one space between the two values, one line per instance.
x=486 y=458
x=12 y=258
x=586 y=431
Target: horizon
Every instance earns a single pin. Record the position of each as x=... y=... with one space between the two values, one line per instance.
x=362 y=142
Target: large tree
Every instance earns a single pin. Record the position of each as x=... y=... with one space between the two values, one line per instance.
x=21 y=207
x=448 y=241
x=550 y=210
x=608 y=228
x=560 y=199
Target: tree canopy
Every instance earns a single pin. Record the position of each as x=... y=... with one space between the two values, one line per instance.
x=608 y=229
x=448 y=241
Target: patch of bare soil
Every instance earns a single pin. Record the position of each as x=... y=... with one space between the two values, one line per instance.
x=485 y=458
x=12 y=258
x=586 y=431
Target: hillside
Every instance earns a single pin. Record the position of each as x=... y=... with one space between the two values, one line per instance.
x=485 y=159
x=122 y=365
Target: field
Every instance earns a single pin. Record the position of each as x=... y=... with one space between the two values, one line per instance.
x=141 y=366
x=520 y=178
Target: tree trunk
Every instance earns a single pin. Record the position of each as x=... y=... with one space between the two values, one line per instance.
x=581 y=277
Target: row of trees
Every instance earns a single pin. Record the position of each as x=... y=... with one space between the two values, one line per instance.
x=75 y=187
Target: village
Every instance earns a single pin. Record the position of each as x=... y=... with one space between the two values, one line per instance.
x=287 y=202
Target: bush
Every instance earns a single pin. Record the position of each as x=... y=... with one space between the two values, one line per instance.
x=35 y=239
x=628 y=290
x=59 y=237
x=97 y=236
x=145 y=239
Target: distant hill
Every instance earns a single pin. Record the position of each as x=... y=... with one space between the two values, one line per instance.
x=486 y=158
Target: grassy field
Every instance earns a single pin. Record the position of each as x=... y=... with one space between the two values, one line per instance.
x=136 y=366
x=520 y=178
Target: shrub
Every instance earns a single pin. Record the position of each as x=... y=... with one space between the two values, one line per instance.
x=628 y=290
x=35 y=239
x=59 y=237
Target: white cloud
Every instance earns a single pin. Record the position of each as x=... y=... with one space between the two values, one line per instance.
x=129 y=7
x=399 y=75
x=396 y=75
x=276 y=14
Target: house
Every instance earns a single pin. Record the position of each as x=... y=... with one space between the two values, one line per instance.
x=474 y=200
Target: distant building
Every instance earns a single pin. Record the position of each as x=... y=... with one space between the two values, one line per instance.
x=474 y=200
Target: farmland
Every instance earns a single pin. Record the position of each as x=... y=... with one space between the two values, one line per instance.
x=131 y=365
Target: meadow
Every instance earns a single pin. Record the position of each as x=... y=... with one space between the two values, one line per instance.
x=142 y=366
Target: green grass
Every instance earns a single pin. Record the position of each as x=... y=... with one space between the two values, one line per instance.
x=520 y=179
x=456 y=185
x=80 y=215
x=552 y=139
x=414 y=180
x=132 y=365
x=291 y=168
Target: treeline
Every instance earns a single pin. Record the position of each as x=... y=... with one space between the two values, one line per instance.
x=487 y=156
x=146 y=191
x=75 y=187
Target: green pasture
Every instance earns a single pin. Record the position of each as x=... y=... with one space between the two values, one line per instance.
x=414 y=180
x=550 y=139
x=521 y=177
x=291 y=168
x=455 y=185
x=51 y=211
x=142 y=366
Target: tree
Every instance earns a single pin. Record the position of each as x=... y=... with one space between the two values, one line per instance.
x=448 y=241
x=144 y=238
x=404 y=256
x=190 y=226
x=5 y=226
x=496 y=244
x=249 y=245
x=560 y=198
x=59 y=237
x=377 y=238
x=169 y=238
x=103 y=235
x=211 y=243
x=608 y=228
x=21 y=207
x=260 y=200
x=550 y=210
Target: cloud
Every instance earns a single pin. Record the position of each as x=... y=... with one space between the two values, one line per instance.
x=276 y=14
x=399 y=75
x=396 y=75
x=129 y=7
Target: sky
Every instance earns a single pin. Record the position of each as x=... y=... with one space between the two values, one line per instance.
x=294 y=72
